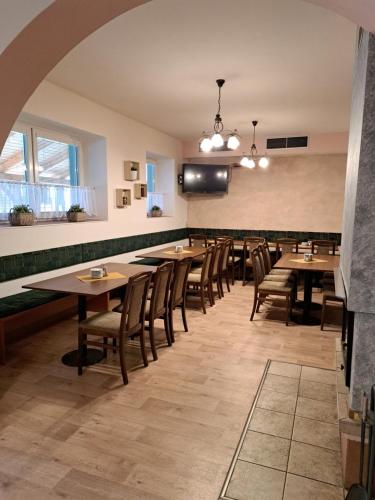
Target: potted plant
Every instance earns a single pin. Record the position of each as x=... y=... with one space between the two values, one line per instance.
x=156 y=211
x=76 y=213
x=21 y=215
x=133 y=173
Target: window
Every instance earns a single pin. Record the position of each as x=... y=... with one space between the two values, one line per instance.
x=48 y=179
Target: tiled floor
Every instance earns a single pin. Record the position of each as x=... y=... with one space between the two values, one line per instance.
x=290 y=448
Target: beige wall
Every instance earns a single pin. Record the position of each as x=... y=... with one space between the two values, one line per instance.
x=297 y=193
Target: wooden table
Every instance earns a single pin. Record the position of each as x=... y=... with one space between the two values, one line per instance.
x=169 y=253
x=321 y=263
x=239 y=244
x=69 y=283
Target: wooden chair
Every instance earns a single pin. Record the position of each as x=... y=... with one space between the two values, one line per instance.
x=177 y=297
x=329 y=295
x=286 y=245
x=201 y=282
x=264 y=288
x=215 y=270
x=234 y=261
x=224 y=265
x=157 y=306
x=198 y=240
x=119 y=326
x=250 y=243
x=323 y=247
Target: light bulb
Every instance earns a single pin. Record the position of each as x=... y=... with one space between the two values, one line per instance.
x=217 y=140
x=263 y=162
x=244 y=161
x=251 y=163
x=233 y=142
x=206 y=145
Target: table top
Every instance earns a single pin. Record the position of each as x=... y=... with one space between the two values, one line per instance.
x=69 y=283
x=321 y=263
x=302 y=248
x=169 y=253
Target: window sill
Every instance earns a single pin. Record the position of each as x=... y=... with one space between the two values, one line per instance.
x=48 y=222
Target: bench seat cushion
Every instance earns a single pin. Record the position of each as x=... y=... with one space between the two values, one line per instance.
x=19 y=302
x=147 y=262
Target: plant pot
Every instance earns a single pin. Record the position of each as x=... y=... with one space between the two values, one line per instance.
x=156 y=213
x=76 y=216
x=21 y=219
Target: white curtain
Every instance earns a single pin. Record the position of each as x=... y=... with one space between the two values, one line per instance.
x=155 y=199
x=47 y=200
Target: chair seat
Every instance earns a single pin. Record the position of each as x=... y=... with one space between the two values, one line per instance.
x=272 y=286
x=105 y=322
x=331 y=295
x=197 y=270
x=234 y=259
x=194 y=278
x=281 y=272
x=249 y=263
x=279 y=278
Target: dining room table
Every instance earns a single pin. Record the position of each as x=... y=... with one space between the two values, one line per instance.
x=318 y=264
x=81 y=284
x=170 y=253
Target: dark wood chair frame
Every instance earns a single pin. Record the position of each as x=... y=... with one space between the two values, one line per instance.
x=159 y=303
x=326 y=245
x=249 y=244
x=289 y=244
x=232 y=264
x=140 y=280
x=206 y=282
x=198 y=237
x=177 y=298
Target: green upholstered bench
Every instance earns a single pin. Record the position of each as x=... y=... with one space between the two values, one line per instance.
x=22 y=309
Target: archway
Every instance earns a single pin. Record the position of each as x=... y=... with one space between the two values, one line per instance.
x=65 y=23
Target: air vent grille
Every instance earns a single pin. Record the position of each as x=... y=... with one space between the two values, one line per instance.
x=287 y=142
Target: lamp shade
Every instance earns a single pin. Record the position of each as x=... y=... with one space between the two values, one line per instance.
x=206 y=144
x=244 y=161
x=233 y=142
x=217 y=140
x=263 y=162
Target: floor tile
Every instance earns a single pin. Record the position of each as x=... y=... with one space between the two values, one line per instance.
x=277 y=383
x=272 y=422
x=276 y=401
x=317 y=391
x=317 y=410
x=254 y=482
x=298 y=487
x=285 y=369
x=318 y=375
x=262 y=449
x=316 y=433
x=315 y=463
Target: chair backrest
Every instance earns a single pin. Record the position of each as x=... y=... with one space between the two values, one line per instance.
x=216 y=259
x=261 y=260
x=207 y=263
x=160 y=290
x=197 y=240
x=266 y=257
x=250 y=243
x=257 y=267
x=324 y=247
x=133 y=310
x=286 y=245
x=179 y=282
x=222 y=239
x=225 y=252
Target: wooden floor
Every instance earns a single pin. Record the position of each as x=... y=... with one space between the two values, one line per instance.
x=170 y=434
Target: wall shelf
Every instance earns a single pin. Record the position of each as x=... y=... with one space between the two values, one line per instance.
x=140 y=191
x=131 y=170
x=123 y=198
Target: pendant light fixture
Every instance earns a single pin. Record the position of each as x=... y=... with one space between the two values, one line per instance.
x=216 y=138
x=252 y=160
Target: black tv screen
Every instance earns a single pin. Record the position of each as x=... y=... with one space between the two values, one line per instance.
x=205 y=178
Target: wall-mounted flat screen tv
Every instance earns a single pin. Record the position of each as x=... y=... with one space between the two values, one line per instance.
x=205 y=178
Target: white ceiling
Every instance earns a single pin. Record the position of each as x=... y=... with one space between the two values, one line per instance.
x=286 y=63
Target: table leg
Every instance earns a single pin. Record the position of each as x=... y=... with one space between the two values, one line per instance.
x=307 y=303
x=90 y=356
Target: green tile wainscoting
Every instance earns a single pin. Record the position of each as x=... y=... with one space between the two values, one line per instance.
x=29 y=263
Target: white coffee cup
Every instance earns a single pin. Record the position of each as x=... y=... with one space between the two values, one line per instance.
x=179 y=248
x=308 y=257
x=96 y=272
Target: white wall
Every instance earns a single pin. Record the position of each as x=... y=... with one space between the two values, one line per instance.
x=126 y=140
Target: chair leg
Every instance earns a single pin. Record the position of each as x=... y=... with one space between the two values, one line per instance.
x=323 y=317
x=166 y=328
x=244 y=275
x=81 y=337
x=202 y=299
x=123 y=362
x=211 y=292
x=233 y=271
x=152 y=340
x=287 y=299
x=170 y=319
x=260 y=301
x=227 y=280
x=254 y=306
x=183 y=313
x=105 y=342
x=143 y=347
